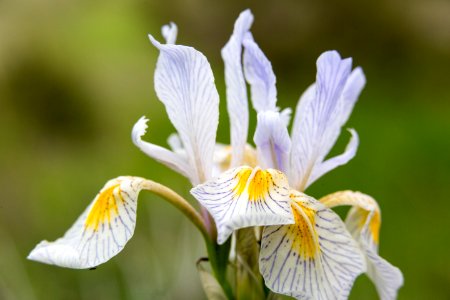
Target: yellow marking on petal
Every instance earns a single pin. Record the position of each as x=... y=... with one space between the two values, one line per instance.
x=259 y=185
x=374 y=224
x=255 y=182
x=242 y=177
x=104 y=206
x=303 y=233
x=374 y=227
x=364 y=205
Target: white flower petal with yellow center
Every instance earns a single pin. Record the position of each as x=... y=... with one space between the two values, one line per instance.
x=364 y=221
x=315 y=258
x=244 y=197
x=100 y=232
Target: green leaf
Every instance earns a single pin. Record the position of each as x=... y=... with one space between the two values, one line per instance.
x=249 y=283
x=211 y=286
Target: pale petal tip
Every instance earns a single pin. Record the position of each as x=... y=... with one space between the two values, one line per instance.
x=333 y=57
x=359 y=73
x=154 y=41
x=169 y=32
x=55 y=254
x=354 y=142
x=247 y=17
x=139 y=129
x=330 y=55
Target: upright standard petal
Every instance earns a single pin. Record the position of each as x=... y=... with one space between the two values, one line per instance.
x=185 y=84
x=170 y=32
x=237 y=101
x=244 y=197
x=173 y=160
x=260 y=76
x=272 y=141
x=363 y=221
x=100 y=232
x=315 y=258
x=320 y=114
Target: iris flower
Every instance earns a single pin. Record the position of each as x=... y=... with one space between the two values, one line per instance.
x=306 y=250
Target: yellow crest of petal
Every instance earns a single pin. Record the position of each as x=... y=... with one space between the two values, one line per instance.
x=242 y=178
x=364 y=207
x=256 y=182
x=374 y=223
x=303 y=232
x=103 y=208
x=259 y=185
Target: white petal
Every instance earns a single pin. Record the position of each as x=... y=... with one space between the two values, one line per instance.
x=173 y=160
x=175 y=142
x=364 y=221
x=272 y=141
x=339 y=160
x=285 y=115
x=299 y=152
x=100 y=233
x=315 y=258
x=353 y=88
x=386 y=277
x=237 y=102
x=185 y=84
x=244 y=197
x=170 y=32
x=260 y=76
x=320 y=114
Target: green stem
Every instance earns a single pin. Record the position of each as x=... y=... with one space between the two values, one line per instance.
x=180 y=203
x=218 y=258
x=218 y=254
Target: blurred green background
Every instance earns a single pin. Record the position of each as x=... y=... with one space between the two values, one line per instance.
x=76 y=75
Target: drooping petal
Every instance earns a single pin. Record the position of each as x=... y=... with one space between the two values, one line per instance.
x=315 y=258
x=173 y=160
x=170 y=32
x=260 y=76
x=387 y=278
x=244 y=197
x=339 y=160
x=322 y=111
x=100 y=233
x=364 y=221
x=237 y=101
x=272 y=141
x=185 y=84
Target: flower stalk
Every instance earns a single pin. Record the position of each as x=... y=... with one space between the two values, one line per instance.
x=179 y=202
